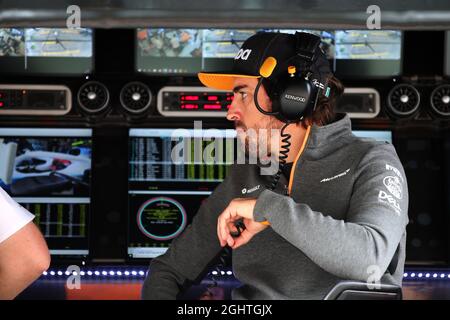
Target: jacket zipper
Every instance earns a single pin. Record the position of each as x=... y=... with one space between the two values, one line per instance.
x=302 y=148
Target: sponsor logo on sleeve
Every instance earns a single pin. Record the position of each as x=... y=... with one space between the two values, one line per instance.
x=386 y=198
x=395 y=170
x=394 y=186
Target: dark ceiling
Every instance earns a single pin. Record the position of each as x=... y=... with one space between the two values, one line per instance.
x=322 y=14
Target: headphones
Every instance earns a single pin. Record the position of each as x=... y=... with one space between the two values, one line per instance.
x=295 y=93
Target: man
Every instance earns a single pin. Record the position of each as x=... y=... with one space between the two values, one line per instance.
x=344 y=215
x=23 y=252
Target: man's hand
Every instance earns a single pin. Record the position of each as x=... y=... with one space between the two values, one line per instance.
x=238 y=208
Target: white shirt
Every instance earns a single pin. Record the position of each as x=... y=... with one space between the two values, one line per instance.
x=13 y=216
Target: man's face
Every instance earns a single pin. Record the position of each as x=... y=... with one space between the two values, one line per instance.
x=255 y=130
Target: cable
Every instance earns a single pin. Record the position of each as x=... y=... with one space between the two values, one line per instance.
x=226 y=252
x=223 y=256
x=284 y=152
x=255 y=99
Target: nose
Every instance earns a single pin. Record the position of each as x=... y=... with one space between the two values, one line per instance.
x=233 y=113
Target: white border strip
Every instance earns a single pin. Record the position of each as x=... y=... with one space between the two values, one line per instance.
x=52 y=200
x=447 y=53
x=181 y=132
x=146 y=252
x=379 y=135
x=176 y=180
x=170 y=192
x=45 y=132
x=68 y=252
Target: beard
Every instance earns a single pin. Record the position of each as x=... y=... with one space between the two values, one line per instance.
x=260 y=144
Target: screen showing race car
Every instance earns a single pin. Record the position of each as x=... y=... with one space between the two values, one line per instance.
x=48 y=172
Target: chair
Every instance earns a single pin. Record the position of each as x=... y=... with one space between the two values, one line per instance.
x=354 y=290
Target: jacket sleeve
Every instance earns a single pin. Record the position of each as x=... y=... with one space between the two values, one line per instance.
x=371 y=232
x=189 y=254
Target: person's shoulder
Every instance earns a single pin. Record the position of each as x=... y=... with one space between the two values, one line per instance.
x=12 y=216
x=366 y=145
x=376 y=153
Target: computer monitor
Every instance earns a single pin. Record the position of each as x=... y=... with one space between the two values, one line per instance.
x=48 y=172
x=171 y=171
x=365 y=54
x=46 y=51
x=352 y=53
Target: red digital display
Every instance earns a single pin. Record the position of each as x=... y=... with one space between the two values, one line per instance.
x=189 y=106
x=190 y=98
x=212 y=107
x=199 y=101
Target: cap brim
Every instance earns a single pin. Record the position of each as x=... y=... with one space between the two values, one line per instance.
x=221 y=81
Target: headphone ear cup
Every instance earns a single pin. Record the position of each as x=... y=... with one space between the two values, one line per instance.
x=295 y=98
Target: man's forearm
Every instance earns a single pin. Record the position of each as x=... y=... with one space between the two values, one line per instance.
x=345 y=249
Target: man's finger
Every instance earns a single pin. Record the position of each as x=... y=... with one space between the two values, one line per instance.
x=230 y=241
x=242 y=239
x=223 y=225
x=229 y=226
x=218 y=233
x=233 y=229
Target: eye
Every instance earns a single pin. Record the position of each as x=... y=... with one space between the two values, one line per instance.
x=243 y=95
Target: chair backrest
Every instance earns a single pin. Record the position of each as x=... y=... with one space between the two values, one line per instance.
x=354 y=290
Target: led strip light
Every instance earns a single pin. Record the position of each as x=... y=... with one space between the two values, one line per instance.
x=111 y=273
x=142 y=273
x=426 y=275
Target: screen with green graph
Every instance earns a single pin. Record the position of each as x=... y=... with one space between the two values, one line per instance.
x=171 y=171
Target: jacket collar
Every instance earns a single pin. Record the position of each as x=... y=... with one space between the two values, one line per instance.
x=320 y=135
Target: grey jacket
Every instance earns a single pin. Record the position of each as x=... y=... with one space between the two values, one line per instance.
x=344 y=219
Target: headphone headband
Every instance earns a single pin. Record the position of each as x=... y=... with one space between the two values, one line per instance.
x=307 y=45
